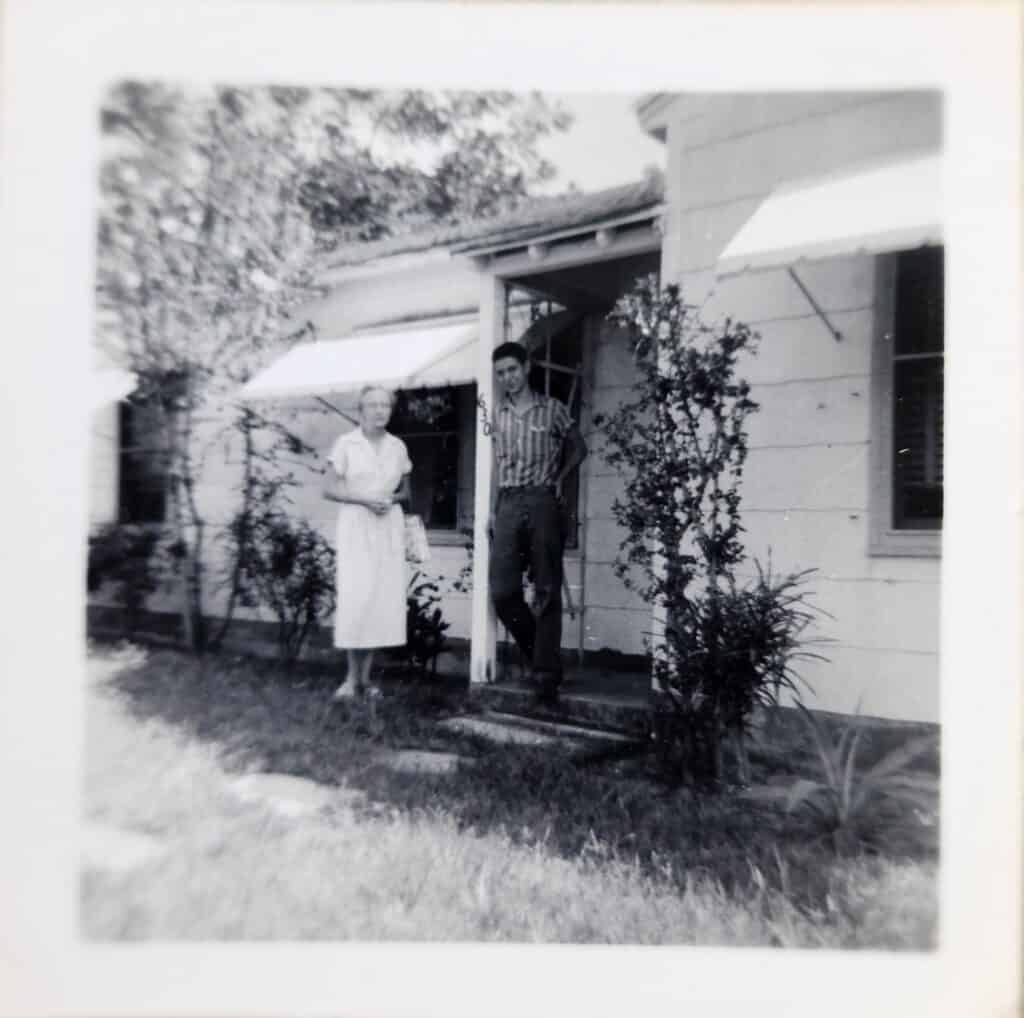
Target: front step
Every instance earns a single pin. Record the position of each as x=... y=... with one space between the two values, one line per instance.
x=512 y=729
x=590 y=712
x=518 y=729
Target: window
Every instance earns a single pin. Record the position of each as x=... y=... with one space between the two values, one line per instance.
x=909 y=386
x=427 y=420
x=142 y=463
x=917 y=392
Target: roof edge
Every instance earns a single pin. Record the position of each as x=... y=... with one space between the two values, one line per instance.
x=650 y=110
x=562 y=214
x=544 y=235
x=386 y=264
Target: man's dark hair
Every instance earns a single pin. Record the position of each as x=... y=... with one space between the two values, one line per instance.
x=510 y=349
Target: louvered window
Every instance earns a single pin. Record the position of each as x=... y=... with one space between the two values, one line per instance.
x=917 y=373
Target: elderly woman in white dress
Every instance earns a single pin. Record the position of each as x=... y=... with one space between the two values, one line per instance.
x=369 y=476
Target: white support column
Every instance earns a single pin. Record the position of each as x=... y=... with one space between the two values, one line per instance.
x=484 y=629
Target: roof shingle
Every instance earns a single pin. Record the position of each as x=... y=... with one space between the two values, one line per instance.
x=548 y=214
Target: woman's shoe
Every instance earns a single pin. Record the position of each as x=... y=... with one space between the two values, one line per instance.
x=346 y=691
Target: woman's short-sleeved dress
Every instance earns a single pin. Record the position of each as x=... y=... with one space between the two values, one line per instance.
x=371 y=568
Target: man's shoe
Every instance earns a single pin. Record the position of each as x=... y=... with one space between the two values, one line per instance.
x=546 y=685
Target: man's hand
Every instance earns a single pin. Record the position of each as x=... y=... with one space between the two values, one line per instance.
x=380 y=506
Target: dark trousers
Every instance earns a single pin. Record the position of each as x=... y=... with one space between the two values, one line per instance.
x=529 y=535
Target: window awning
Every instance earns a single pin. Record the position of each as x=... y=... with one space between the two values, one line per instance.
x=460 y=366
x=456 y=368
x=111 y=385
x=885 y=208
x=416 y=355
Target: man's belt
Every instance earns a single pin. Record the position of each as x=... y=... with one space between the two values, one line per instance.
x=525 y=488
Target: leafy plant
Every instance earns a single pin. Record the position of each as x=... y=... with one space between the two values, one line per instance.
x=845 y=801
x=680 y=445
x=134 y=561
x=287 y=566
x=735 y=653
x=425 y=624
x=268 y=449
x=463 y=583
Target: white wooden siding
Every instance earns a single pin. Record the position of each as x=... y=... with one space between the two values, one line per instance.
x=806 y=493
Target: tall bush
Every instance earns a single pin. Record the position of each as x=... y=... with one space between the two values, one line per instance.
x=425 y=625
x=134 y=561
x=681 y=445
x=276 y=560
x=286 y=565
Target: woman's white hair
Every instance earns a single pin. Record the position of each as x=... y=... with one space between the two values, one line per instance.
x=376 y=388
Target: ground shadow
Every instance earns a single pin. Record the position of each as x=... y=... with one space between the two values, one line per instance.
x=261 y=716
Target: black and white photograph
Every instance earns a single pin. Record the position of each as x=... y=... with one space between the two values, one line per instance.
x=515 y=514
x=674 y=456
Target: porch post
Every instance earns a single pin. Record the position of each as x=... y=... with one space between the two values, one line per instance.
x=484 y=630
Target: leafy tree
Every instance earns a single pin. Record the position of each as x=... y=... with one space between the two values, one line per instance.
x=407 y=159
x=681 y=444
x=215 y=205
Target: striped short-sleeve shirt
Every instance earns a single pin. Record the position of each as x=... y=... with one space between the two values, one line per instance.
x=529 y=442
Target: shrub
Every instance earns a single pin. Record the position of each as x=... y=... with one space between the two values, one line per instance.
x=133 y=559
x=846 y=802
x=463 y=583
x=681 y=445
x=725 y=657
x=287 y=566
x=425 y=624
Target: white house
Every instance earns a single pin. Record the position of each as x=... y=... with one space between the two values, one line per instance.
x=816 y=219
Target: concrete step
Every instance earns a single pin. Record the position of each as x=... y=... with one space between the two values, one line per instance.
x=618 y=716
x=560 y=729
x=584 y=744
x=515 y=728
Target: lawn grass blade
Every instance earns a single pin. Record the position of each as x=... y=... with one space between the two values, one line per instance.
x=885 y=774
x=921 y=793
x=825 y=751
x=801 y=792
x=897 y=759
x=846 y=796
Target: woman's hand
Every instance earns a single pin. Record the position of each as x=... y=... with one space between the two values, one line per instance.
x=380 y=506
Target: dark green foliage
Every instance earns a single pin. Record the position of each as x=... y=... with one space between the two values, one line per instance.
x=681 y=442
x=726 y=656
x=132 y=560
x=425 y=624
x=463 y=583
x=287 y=566
x=849 y=800
x=275 y=560
x=681 y=445
x=487 y=161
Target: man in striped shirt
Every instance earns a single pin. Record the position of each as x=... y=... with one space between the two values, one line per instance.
x=536 y=446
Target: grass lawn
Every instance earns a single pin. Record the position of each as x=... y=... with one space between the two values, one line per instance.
x=516 y=844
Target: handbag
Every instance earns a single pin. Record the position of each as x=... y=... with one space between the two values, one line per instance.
x=417 y=548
